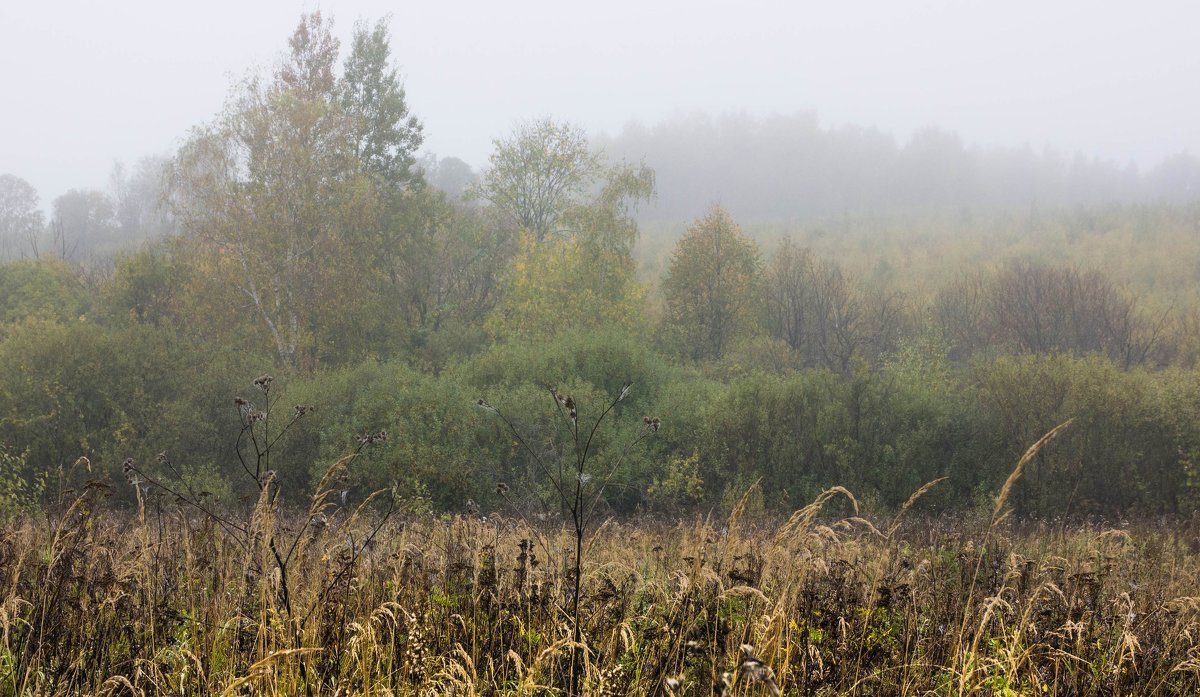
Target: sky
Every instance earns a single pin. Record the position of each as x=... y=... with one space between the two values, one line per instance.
x=85 y=84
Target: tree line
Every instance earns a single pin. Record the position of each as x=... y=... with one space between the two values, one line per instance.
x=791 y=167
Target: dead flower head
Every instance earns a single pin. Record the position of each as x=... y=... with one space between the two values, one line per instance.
x=753 y=669
x=372 y=438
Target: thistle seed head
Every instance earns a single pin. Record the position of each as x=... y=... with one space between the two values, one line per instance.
x=372 y=438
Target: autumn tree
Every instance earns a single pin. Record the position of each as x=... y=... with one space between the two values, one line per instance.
x=545 y=174
x=711 y=285
x=149 y=285
x=565 y=283
x=448 y=263
x=83 y=221
x=284 y=189
x=790 y=296
x=1033 y=307
x=573 y=215
x=386 y=135
x=41 y=289
x=584 y=275
x=825 y=316
x=537 y=174
x=20 y=218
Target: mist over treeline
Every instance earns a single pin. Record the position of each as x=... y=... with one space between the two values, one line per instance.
x=791 y=167
x=90 y=225
x=782 y=168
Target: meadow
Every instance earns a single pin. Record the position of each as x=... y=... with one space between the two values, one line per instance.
x=174 y=599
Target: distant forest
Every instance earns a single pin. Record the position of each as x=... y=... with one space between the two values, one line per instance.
x=790 y=168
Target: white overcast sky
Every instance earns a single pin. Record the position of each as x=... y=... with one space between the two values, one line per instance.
x=83 y=84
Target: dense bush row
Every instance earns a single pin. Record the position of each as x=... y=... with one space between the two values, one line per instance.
x=76 y=388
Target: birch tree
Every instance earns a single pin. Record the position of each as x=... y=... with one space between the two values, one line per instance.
x=284 y=190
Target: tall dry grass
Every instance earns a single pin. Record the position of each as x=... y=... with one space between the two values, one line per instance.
x=827 y=603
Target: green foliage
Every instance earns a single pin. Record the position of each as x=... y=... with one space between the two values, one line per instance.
x=605 y=358
x=563 y=284
x=711 y=286
x=436 y=445
x=1123 y=451
x=388 y=135
x=41 y=288
x=679 y=489
x=75 y=389
x=592 y=367
x=538 y=173
x=20 y=491
x=882 y=434
x=148 y=285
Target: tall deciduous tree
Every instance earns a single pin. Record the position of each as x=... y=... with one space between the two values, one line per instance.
x=578 y=271
x=827 y=318
x=20 y=219
x=538 y=173
x=138 y=195
x=711 y=285
x=448 y=263
x=386 y=135
x=83 y=221
x=286 y=188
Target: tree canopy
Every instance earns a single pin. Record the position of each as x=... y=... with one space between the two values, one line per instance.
x=287 y=188
x=711 y=285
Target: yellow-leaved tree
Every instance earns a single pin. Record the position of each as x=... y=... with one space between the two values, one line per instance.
x=574 y=266
x=564 y=283
x=711 y=286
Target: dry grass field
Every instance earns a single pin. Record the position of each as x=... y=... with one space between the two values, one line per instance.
x=168 y=600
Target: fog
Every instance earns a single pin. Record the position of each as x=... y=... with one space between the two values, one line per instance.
x=88 y=84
